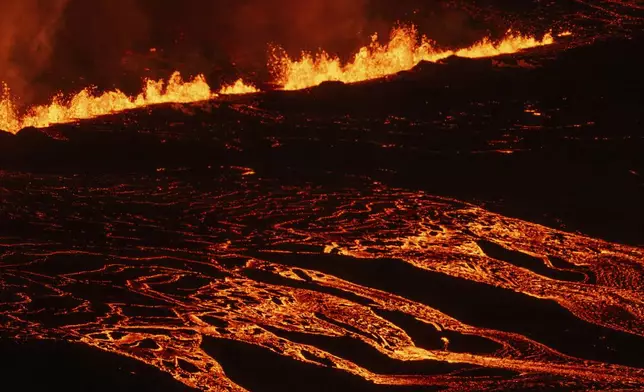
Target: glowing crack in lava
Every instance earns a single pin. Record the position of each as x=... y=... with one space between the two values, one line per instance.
x=405 y=49
x=371 y=268
x=86 y=104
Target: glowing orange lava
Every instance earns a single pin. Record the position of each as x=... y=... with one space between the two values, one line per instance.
x=405 y=49
x=239 y=87
x=318 y=273
x=86 y=104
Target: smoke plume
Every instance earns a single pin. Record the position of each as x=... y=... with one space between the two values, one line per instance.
x=27 y=30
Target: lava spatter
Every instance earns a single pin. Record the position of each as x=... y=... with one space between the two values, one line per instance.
x=404 y=50
x=87 y=104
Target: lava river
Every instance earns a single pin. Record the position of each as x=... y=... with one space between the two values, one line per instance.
x=388 y=286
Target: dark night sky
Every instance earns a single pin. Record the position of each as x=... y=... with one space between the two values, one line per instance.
x=51 y=45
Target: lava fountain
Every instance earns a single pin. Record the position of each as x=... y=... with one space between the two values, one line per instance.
x=87 y=104
x=405 y=49
x=239 y=87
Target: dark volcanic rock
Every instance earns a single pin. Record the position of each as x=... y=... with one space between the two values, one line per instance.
x=31 y=135
x=60 y=366
x=5 y=136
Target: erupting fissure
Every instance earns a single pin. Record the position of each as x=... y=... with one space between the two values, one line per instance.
x=239 y=87
x=86 y=104
x=405 y=49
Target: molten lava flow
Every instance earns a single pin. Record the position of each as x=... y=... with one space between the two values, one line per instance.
x=369 y=271
x=239 y=87
x=404 y=50
x=86 y=104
